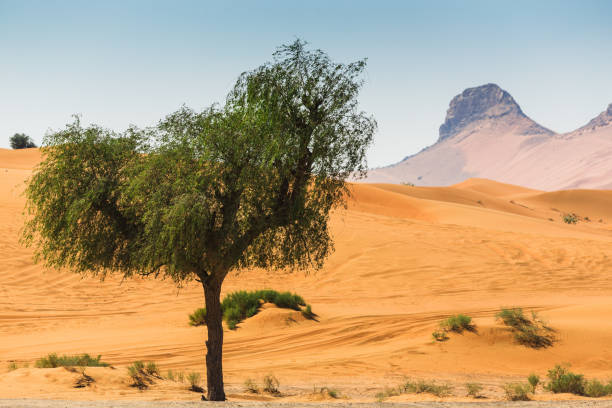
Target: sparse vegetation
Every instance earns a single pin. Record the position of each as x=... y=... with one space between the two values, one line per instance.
x=81 y=360
x=458 y=324
x=271 y=384
x=428 y=387
x=251 y=386
x=517 y=391
x=152 y=369
x=533 y=380
x=308 y=313
x=570 y=218
x=474 y=390
x=194 y=379
x=240 y=305
x=12 y=366
x=386 y=393
x=170 y=375
x=330 y=392
x=440 y=335
x=595 y=389
x=138 y=375
x=563 y=380
x=84 y=379
x=531 y=332
x=407 y=183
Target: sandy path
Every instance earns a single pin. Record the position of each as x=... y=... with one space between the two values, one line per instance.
x=149 y=404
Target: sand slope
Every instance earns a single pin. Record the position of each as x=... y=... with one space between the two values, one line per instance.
x=405 y=258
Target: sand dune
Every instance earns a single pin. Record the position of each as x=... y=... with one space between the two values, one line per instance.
x=406 y=257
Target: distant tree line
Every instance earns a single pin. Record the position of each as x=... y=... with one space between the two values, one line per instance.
x=21 y=141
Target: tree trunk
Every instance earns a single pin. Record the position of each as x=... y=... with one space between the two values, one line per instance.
x=214 y=344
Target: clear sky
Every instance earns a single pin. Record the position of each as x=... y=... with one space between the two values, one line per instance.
x=132 y=62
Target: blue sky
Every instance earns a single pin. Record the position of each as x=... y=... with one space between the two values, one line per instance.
x=132 y=62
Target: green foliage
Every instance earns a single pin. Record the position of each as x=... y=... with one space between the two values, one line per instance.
x=570 y=218
x=82 y=360
x=517 y=391
x=138 y=375
x=308 y=313
x=439 y=335
x=429 y=387
x=563 y=380
x=198 y=318
x=180 y=377
x=249 y=183
x=458 y=323
x=271 y=384
x=531 y=332
x=237 y=306
x=474 y=390
x=152 y=369
x=533 y=380
x=596 y=389
x=194 y=379
x=21 y=141
x=330 y=392
x=250 y=386
x=12 y=366
x=170 y=375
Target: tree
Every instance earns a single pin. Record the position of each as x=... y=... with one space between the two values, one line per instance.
x=21 y=141
x=248 y=184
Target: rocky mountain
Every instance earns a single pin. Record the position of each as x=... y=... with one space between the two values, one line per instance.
x=486 y=134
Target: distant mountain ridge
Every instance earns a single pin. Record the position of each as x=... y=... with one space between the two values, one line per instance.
x=486 y=134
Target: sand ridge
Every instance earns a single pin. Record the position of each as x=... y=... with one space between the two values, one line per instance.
x=405 y=258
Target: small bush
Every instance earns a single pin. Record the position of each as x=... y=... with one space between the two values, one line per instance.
x=194 y=379
x=84 y=380
x=596 y=389
x=12 y=366
x=570 y=218
x=250 y=386
x=330 y=392
x=152 y=369
x=474 y=390
x=307 y=313
x=458 y=323
x=533 y=380
x=180 y=376
x=531 y=332
x=82 y=360
x=439 y=335
x=198 y=318
x=137 y=374
x=421 y=386
x=517 y=392
x=170 y=375
x=21 y=141
x=562 y=380
x=240 y=305
x=271 y=384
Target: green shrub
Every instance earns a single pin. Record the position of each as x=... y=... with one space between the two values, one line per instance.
x=439 y=335
x=81 y=360
x=152 y=369
x=12 y=366
x=596 y=389
x=474 y=390
x=429 y=387
x=194 y=379
x=570 y=218
x=271 y=384
x=250 y=386
x=531 y=332
x=198 y=318
x=517 y=392
x=533 y=380
x=458 y=323
x=83 y=380
x=307 y=313
x=240 y=305
x=137 y=374
x=562 y=380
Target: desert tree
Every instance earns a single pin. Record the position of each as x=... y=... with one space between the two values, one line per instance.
x=21 y=141
x=249 y=183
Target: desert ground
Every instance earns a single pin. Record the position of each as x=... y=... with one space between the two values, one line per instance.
x=406 y=257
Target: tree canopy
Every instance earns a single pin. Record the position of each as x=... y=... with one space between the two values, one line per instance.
x=249 y=183
x=21 y=141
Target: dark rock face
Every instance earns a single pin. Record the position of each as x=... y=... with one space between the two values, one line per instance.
x=482 y=102
x=603 y=119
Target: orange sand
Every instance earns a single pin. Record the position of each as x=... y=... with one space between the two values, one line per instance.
x=405 y=258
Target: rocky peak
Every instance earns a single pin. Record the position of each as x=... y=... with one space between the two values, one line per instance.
x=603 y=119
x=482 y=102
